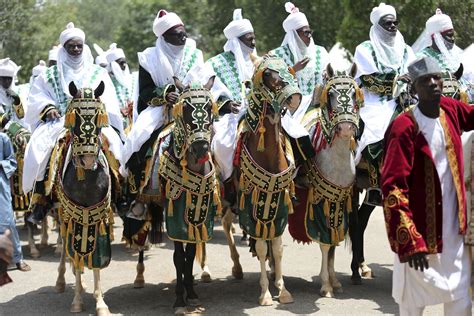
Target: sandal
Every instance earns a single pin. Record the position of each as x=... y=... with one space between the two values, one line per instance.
x=23 y=266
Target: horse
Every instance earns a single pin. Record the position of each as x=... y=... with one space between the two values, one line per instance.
x=80 y=178
x=265 y=168
x=324 y=182
x=358 y=220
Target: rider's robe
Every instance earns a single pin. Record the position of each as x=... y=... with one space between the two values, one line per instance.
x=46 y=91
x=376 y=81
x=425 y=205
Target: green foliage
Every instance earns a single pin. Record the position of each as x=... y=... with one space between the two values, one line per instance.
x=28 y=28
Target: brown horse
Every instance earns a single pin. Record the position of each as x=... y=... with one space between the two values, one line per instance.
x=266 y=167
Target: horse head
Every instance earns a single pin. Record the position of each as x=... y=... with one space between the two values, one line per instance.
x=194 y=113
x=451 y=85
x=340 y=100
x=85 y=117
x=274 y=91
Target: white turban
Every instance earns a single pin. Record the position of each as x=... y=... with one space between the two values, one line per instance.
x=8 y=68
x=439 y=23
x=164 y=21
x=114 y=53
x=71 y=32
x=238 y=26
x=295 y=20
x=381 y=11
x=53 y=53
x=38 y=69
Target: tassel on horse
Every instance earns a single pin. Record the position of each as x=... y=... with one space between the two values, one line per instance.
x=80 y=173
x=261 y=139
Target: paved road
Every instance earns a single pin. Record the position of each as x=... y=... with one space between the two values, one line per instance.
x=33 y=293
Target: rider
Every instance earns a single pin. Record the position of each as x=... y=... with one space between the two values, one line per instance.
x=300 y=52
x=233 y=70
x=47 y=104
x=11 y=107
x=53 y=56
x=172 y=57
x=122 y=80
x=438 y=42
x=380 y=61
x=37 y=70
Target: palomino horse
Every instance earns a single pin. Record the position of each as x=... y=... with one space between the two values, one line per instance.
x=266 y=167
x=359 y=220
x=82 y=183
x=186 y=172
x=324 y=183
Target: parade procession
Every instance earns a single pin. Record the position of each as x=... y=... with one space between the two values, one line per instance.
x=182 y=169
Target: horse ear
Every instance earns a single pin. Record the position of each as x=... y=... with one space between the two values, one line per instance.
x=99 y=90
x=72 y=89
x=458 y=73
x=353 y=70
x=210 y=83
x=178 y=84
x=329 y=70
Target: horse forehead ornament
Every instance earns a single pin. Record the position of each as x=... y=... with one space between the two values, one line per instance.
x=346 y=109
x=196 y=101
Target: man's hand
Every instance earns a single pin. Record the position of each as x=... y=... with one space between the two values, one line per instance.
x=172 y=97
x=404 y=78
x=301 y=64
x=52 y=115
x=230 y=107
x=418 y=261
x=13 y=95
x=6 y=247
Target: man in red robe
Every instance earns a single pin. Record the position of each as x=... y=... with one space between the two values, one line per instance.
x=424 y=198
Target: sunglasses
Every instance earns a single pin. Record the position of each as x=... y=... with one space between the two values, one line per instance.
x=306 y=33
x=178 y=34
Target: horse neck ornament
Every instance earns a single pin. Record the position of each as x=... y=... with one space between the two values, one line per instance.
x=452 y=87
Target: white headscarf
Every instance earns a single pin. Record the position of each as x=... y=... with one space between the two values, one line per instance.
x=124 y=77
x=73 y=68
x=436 y=25
x=7 y=69
x=37 y=70
x=163 y=61
x=298 y=48
x=388 y=49
x=236 y=28
x=53 y=53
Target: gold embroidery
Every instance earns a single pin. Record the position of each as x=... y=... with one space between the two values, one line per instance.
x=430 y=201
x=453 y=164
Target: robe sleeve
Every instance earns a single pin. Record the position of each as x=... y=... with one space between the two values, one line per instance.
x=111 y=103
x=41 y=96
x=398 y=165
x=465 y=116
x=8 y=163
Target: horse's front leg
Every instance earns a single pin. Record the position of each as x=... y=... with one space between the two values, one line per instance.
x=284 y=296
x=227 y=220
x=179 y=261
x=77 y=305
x=101 y=308
x=34 y=252
x=336 y=285
x=206 y=273
x=265 y=298
x=140 y=279
x=326 y=288
x=44 y=232
x=191 y=296
x=59 y=242
x=61 y=281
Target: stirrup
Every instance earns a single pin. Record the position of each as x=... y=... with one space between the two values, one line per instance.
x=135 y=212
x=373 y=197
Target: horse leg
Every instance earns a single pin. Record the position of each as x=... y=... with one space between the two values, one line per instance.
x=265 y=298
x=34 y=252
x=101 y=309
x=206 y=274
x=336 y=285
x=140 y=279
x=44 y=232
x=77 y=305
x=364 y=214
x=284 y=296
x=61 y=281
x=234 y=255
x=191 y=296
x=179 y=261
x=59 y=242
x=326 y=288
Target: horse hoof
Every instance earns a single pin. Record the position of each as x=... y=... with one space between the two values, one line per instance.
x=237 y=273
x=193 y=302
x=60 y=287
x=102 y=311
x=265 y=301
x=206 y=277
x=138 y=284
x=326 y=293
x=286 y=298
x=180 y=311
x=77 y=308
x=356 y=280
x=366 y=272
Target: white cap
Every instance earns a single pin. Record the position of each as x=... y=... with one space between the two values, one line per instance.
x=114 y=53
x=381 y=11
x=71 y=32
x=38 y=69
x=8 y=68
x=164 y=21
x=238 y=26
x=295 y=20
x=439 y=23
